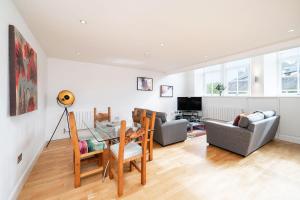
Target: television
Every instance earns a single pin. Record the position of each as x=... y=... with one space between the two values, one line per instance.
x=189 y=103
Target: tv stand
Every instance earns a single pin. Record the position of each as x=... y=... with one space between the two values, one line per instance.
x=191 y=116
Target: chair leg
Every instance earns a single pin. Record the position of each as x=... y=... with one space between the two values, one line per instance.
x=77 y=172
x=120 y=179
x=100 y=159
x=73 y=162
x=110 y=167
x=143 y=170
x=130 y=166
x=151 y=148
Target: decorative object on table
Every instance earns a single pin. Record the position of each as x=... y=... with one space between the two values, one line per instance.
x=65 y=98
x=166 y=91
x=84 y=150
x=22 y=74
x=220 y=88
x=144 y=84
x=99 y=117
x=122 y=153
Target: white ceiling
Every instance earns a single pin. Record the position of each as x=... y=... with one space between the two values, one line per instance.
x=129 y=33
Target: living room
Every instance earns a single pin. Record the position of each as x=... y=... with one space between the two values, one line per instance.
x=138 y=63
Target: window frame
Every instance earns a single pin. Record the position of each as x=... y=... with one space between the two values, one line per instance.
x=219 y=69
x=279 y=69
x=227 y=67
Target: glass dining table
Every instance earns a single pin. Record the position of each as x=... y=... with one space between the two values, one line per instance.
x=103 y=132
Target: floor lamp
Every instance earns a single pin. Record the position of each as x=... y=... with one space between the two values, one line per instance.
x=65 y=99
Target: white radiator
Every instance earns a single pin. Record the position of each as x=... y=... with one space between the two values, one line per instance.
x=81 y=117
x=221 y=112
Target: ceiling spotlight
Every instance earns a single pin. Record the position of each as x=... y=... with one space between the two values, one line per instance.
x=146 y=54
x=291 y=30
x=162 y=44
x=83 y=21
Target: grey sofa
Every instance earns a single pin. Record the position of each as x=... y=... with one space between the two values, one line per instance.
x=242 y=141
x=165 y=132
x=168 y=132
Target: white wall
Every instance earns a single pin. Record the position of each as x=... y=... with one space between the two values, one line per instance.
x=24 y=133
x=287 y=107
x=257 y=76
x=101 y=86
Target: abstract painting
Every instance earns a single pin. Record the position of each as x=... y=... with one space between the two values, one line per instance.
x=23 y=74
x=166 y=91
x=144 y=84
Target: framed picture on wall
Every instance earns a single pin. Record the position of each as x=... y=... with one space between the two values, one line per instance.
x=22 y=74
x=166 y=91
x=144 y=84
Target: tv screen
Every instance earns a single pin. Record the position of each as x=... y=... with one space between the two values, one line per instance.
x=189 y=103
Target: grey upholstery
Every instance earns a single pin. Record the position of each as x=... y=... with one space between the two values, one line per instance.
x=165 y=132
x=169 y=132
x=242 y=141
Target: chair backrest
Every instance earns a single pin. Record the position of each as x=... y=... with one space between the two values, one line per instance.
x=102 y=116
x=137 y=114
x=141 y=132
x=152 y=121
x=73 y=132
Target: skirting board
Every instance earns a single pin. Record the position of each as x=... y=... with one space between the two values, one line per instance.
x=288 y=138
x=17 y=189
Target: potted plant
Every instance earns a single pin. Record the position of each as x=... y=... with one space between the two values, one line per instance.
x=220 y=88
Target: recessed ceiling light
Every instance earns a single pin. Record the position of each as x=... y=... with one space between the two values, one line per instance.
x=83 y=21
x=78 y=53
x=162 y=44
x=147 y=53
x=291 y=30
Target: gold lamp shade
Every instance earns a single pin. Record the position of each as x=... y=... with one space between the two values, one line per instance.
x=65 y=98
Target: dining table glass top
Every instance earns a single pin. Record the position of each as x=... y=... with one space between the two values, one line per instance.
x=102 y=131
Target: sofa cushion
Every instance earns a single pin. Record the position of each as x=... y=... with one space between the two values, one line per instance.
x=269 y=113
x=246 y=120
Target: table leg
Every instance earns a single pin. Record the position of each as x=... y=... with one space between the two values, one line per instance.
x=105 y=171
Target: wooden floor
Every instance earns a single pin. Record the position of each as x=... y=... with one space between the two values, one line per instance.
x=188 y=170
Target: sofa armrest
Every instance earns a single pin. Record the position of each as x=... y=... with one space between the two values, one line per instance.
x=175 y=124
x=216 y=126
x=173 y=131
x=263 y=131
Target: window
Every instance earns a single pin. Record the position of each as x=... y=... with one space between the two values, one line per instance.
x=212 y=76
x=237 y=76
x=289 y=64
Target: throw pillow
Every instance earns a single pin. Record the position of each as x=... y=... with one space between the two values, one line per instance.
x=244 y=121
x=254 y=117
x=236 y=120
x=269 y=113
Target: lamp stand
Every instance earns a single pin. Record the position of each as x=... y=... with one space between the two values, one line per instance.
x=67 y=114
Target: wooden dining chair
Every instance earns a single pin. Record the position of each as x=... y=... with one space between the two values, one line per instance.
x=151 y=132
x=128 y=152
x=83 y=150
x=102 y=116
